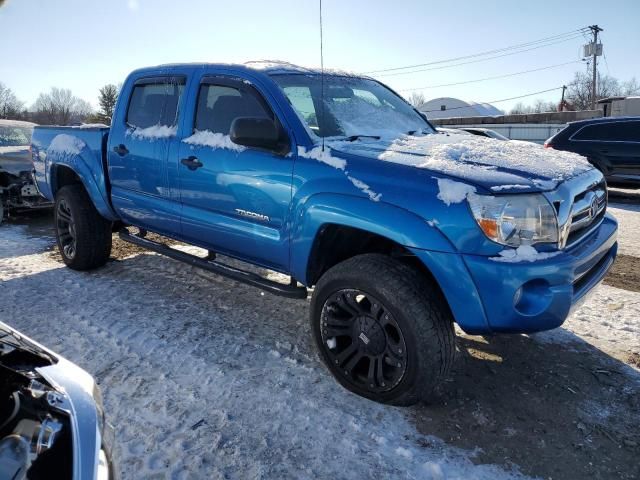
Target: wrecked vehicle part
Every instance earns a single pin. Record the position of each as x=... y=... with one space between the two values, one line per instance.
x=18 y=190
x=51 y=415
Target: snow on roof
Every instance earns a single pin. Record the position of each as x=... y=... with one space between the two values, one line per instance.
x=265 y=66
x=280 y=66
x=271 y=65
x=16 y=123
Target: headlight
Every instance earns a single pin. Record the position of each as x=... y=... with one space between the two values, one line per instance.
x=515 y=220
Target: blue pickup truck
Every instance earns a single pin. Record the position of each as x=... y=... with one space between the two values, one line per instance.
x=335 y=181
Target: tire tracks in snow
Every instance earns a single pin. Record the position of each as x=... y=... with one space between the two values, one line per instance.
x=171 y=348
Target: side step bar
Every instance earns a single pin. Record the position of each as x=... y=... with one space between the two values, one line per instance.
x=250 y=278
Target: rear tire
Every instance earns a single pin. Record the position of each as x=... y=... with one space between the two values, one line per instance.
x=383 y=329
x=82 y=234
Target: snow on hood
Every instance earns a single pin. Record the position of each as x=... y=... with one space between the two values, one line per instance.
x=495 y=164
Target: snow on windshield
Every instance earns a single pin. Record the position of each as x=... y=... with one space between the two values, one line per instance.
x=359 y=116
x=345 y=106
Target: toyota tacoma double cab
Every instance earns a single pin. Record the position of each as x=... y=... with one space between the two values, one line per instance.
x=335 y=181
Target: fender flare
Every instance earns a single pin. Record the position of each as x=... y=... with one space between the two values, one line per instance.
x=93 y=180
x=397 y=224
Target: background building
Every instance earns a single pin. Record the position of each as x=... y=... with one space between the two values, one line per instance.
x=446 y=107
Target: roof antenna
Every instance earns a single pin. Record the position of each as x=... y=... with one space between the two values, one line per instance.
x=321 y=78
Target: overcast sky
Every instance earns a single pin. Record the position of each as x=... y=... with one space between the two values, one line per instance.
x=84 y=44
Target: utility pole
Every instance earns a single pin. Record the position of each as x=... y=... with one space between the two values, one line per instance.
x=564 y=87
x=595 y=29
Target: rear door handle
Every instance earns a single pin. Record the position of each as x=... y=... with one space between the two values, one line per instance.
x=192 y=162
x=121 y=150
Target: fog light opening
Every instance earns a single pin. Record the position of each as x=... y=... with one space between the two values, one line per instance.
x=533 y=298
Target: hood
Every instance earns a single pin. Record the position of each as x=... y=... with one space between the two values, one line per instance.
x=14 y=339
x=15 y=160
x=495 y=165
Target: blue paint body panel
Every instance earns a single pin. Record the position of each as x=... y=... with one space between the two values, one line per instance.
x=296 y=197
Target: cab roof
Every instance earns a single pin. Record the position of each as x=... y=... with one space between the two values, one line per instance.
x=269 y=67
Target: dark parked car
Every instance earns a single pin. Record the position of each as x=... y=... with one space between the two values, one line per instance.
x=485 y=132
x=611 y=144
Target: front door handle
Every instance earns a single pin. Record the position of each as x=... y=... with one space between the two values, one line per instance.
x=191 y=162
x=121 y=150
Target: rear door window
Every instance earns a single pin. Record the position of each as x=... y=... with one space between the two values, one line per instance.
x=219 y=105
x=154 y=102
x=628 y=131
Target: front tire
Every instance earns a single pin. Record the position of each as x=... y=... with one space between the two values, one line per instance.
x=82 y=234
x=383 y=329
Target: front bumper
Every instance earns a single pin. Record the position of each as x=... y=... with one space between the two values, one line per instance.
x=488 y=296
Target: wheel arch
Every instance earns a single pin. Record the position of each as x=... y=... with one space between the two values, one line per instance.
x=331 y=230
x=62 y=174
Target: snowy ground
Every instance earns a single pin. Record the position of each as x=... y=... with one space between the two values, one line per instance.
x=205 y=378
x=628 y=216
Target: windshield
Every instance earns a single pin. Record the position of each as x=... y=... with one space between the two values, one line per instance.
x=15 y=136
x=353 y=107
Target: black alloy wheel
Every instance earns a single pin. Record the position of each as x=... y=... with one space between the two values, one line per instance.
x=363 y=341
x=66 y=229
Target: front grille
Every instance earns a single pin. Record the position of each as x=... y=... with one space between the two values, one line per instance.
x=588 y=209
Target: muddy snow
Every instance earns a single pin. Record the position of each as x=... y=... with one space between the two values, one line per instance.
x=206 y=378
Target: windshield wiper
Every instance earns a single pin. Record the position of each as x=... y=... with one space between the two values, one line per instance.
x=352 y=138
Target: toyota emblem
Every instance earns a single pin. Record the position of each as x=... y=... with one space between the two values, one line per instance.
x=593 y=209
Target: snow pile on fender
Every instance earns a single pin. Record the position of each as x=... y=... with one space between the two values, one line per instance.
x=451 y=191
x=324 y=156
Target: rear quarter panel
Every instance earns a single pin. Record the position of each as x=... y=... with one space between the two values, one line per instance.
x=79 y=149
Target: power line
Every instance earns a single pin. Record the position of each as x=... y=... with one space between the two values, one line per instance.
x=484 y=53
x=476 y=61
x=604 y=55
x=491 y=78
x=498 y=101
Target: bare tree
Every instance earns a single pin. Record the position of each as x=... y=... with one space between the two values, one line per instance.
x=519 y=108
x=539 y=106
x=10 y=106
x=416 y=99
x=631 y=87
x=543 y=106
x=60 y=107
x=579 y=91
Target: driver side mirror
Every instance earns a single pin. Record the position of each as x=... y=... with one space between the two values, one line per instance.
x=258 y=132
